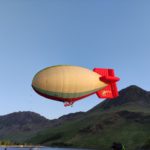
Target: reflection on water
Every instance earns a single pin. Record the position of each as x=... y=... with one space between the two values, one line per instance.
x=36 y=148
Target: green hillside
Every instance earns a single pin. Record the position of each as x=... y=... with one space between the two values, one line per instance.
x=19 y=126
x=125 y=119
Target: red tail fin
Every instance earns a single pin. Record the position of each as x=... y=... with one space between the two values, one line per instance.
x=107 y=76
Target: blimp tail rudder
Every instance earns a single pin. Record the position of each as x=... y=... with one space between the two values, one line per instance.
x=108 y=77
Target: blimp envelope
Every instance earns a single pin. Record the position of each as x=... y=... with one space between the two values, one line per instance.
x=71 y=83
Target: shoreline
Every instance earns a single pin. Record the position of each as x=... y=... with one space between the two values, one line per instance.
x=22 y=146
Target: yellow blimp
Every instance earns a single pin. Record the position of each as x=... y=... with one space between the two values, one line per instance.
x=68 y=83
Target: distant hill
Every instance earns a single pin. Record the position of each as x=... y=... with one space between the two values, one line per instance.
x=125 y=119
x=19 y=126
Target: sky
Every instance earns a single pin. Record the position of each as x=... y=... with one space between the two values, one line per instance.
x=35 y=34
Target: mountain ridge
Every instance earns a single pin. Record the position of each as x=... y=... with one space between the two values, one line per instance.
x=130 y=95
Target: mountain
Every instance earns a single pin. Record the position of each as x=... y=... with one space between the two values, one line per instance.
x=132 y=96
x=19 y=126
x=125 y=119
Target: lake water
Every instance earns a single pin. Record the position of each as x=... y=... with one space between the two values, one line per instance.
x=43 y=148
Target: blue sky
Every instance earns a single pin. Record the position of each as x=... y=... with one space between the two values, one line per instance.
x=35 y=34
